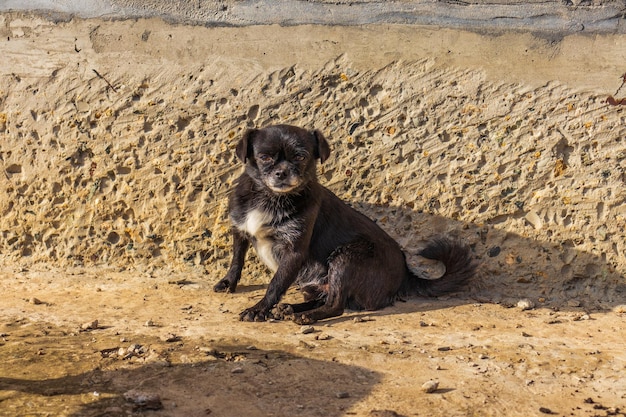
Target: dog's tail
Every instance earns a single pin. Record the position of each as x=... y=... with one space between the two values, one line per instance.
x=457 y=259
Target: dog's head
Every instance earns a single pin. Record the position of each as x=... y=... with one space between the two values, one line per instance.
x=282 y=157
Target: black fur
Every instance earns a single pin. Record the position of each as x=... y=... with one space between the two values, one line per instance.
x=337 y=256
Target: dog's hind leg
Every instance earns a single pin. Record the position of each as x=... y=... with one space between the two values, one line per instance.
x=333 y=305
x=285 y=311
x=314 y=296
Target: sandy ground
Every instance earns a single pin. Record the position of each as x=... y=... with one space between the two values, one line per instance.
x=117 y=154
x=173 y=338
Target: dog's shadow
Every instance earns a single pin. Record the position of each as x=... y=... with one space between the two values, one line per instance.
x=510 y=267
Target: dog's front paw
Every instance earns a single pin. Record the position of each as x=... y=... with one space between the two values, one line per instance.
x=225 y=285
x=253 y=314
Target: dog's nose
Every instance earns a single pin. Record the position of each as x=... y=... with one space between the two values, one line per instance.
x=281 y=174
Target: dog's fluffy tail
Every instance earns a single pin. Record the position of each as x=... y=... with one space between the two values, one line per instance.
x=457 y=259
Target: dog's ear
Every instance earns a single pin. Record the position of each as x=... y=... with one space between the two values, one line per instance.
x=244 y=147
x=322 y=149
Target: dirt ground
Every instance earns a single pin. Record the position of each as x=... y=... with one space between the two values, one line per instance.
x=171 y=337
x=117 y=153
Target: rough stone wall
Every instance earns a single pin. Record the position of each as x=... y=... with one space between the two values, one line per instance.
x=132 y=169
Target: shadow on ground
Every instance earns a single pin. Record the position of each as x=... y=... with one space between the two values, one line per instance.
x=66 y=374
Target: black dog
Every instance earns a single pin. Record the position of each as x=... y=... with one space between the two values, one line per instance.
x=305 y=234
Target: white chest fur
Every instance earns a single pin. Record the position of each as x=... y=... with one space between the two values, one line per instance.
x=256 y=224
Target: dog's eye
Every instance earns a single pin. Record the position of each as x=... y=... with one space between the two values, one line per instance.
x=299 y=158
x=266 y=159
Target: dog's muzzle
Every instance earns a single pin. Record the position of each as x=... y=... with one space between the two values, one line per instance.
x=282 y=181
